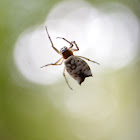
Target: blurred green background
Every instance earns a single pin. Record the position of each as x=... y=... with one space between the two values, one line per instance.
x=30 y=111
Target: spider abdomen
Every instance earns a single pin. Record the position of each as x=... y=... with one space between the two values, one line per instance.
x=77 y=68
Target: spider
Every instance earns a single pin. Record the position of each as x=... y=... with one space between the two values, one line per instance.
x=75 y=66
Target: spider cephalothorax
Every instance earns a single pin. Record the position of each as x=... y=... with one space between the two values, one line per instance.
x=74 y=65
x=66 y=52
x=62 y=50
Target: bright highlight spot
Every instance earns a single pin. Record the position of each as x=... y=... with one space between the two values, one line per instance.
x=108 y=37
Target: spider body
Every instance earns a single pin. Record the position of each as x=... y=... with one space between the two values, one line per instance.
x=75 y=66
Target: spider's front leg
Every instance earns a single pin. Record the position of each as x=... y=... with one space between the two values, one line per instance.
x=51 y=41
x=71 y=44
x=77 y=48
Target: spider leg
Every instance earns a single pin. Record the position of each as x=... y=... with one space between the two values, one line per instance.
x=51 y=41
x=66 y=78
x=88 y=59
x=71 y=44
x=56 y=63
x=77 y=48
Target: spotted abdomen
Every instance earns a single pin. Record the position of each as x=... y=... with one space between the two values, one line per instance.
x=77 y=68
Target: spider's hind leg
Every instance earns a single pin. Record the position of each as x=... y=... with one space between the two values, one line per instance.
x=66 y=78
x=88 y=59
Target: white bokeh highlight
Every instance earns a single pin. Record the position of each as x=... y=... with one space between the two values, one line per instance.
x=108 y=37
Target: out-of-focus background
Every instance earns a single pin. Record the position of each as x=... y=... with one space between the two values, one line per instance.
x=36 y=104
